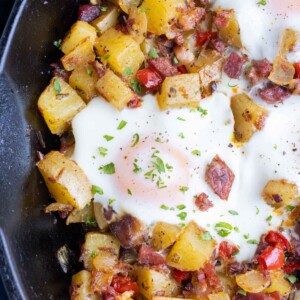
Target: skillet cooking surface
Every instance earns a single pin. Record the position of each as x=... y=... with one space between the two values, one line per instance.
x=28 y=237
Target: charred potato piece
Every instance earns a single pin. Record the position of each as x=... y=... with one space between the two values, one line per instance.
x=152 y=283
x=98 y=244
x=180 y=91
x=120 y=51
x=278 y=283
x=83 y=80
x=59 y=104
x=114 y=90
x=279 y=193
x=164 y=235
x=139 y=27
x=288 y=41
x=81 y=286
x=82 y=54
x=107 y=20
x=249 y=117
x=218 y=296
x=79 y=32
x=231 y=31
x=253 y=281
x=65 y=180
x=282 y=72
x=190 y=252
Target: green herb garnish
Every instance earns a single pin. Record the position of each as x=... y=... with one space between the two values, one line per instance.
x=153 y=53
x=108 y=169
x=108 y=137
x=97 y=190
x=122 y=125
x=57 y=86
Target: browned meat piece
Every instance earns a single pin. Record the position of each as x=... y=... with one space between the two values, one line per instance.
x=218 y=44
x=274 y=94
x=163 y=66
x=59 y=71
x=164 y=46
x=233 y=65
x=219 y=177
x=259 y=69
x=88 y=12
x=190 y=19
x=221 y=19
x=203 y=203
x=128 y=230
x=147 y=256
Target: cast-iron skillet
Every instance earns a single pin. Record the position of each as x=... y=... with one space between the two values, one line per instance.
x=28 y=237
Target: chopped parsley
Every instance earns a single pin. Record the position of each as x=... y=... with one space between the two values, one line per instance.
x=182 y=216
x=262 y=3
x=143 y=9
x=90 y=72
x=90 y=221
x=122 y=125
x=164 y=207
x=291 y=278
x=252 y=242
x=175 y=60
x=108 y=137
x=181 y=119
x=181 y=206
x=103 y=8
x=136 y=86
x=257 y=211
x=107 y=56
x=290 y=207
x=153 y=53
x=202 y=111
x=102 y=151
x=275 y=147
x=136 y=139
x=223 y=229
x=57 y=44
x=242 y=292
x=159 y=165
x=57 y=86
x=111 y=201
x=108 y=169
x=236 y=229
x=196 y=152
x=127 y=72
x=269 y=218
x=93 y=254
x=129 y=192
x=137 y=169
x=206 y=236
x=97 y=190
x=181 y=135
x=246 y=236
x=183 y=189
x=233 y=212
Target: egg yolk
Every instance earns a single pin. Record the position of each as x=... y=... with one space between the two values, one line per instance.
x=153 y=171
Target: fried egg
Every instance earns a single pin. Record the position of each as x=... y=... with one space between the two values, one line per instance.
x=152 y=163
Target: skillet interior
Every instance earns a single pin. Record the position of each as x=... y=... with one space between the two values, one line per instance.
x=29 y=238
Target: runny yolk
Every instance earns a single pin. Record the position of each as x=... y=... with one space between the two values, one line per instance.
x=285 y=6
x=139 y=172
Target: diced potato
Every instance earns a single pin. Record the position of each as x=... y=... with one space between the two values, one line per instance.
x=81 y=286
x=82 y=54
x=279 y=193
x=114 y=90
x=127 y=4
x=79 y=32
x=228 y=284
x=278 y=283
x=190 y=252
x=107 y=20
x=249 y=117
x=58 y=207
x=218 y=296
x=83 y=80
x=98 y=244
x=288 y=41
x=180 y=91
x=168 y=298
x=65 y=180
x=101 y=280
x=104 y=261
x=81 y=215
x=59 y=104
x=282 y=72
x=164 y=235
x=231 y=32
x=125 y=296
x=253 y=281
x=160 y=13
x=99 y=216
x=120 y=51
x=151 y=283
x=139 y=27
x=209 y=66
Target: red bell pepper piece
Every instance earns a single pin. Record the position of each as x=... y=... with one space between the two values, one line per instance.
x=134 y=103
x=226 y=250
x=180 y=276
x=278 y=240
x=148 y=78
x=123 y=284
x=297 y=70
x=182 y=69
x=203 y=37
x=291 y=266
x=271 y=258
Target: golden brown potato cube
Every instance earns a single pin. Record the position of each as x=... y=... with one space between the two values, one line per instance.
x=83 y=81
x=114 y=90
x=139 y=27
x=107 y=20
x=254 y=281
x=101 y=280
x=81 y=286
x=231 y=31
x=79 y=32
x=164 y=235
x=99 y=244
x=282 y=72
x=278 y=283
x=120 y=51
x=249 y=117
x=168 y=298
x=279 y=193
x=81 y=215
x=190 y=252
x=160 y=13
x=180 y=91
x=288 y=41
x=65 y=180
x=152 y=283
x=218 y=296
x=126 y=4
x=209 y=66
x=59 y=104
x=82 y=54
